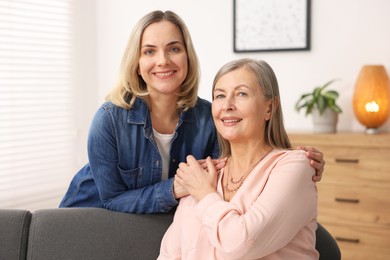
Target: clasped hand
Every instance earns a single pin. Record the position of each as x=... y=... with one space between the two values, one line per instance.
x=197 y=178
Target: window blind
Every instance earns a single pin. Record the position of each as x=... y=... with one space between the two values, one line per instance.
x=37 y=115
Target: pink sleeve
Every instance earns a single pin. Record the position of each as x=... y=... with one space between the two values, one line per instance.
x=286 y=205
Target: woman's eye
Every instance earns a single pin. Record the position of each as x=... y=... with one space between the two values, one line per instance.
x=242 y=94
x=174 y=49
x=148 y=52
x=218 y=96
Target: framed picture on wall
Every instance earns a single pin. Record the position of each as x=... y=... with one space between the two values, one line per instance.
x=271 y=25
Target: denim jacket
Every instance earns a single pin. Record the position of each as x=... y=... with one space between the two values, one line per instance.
x=125 y=166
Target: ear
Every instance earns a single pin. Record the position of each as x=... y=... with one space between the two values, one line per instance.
x=272 y=106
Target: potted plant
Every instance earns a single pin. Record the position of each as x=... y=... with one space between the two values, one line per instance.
x=321 y=104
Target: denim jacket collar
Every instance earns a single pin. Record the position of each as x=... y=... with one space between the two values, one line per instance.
x=139 y=114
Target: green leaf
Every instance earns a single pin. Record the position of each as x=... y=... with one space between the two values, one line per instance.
x=336 y=108
x=321 y=104
x=300 y=105
x=327 y=84
x=309 y=108
x=317 y=92
x=331 y=94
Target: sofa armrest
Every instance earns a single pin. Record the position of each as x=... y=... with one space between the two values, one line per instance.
x=92 y=233
x=14 y=227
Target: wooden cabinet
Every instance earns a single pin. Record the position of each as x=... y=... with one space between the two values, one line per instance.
x=354 y=193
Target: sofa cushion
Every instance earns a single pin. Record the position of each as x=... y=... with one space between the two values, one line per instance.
x=91 y=233
x=14 y=227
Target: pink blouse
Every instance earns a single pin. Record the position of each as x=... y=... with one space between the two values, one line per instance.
x=272 y=216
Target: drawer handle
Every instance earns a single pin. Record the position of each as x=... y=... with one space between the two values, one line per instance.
x=347 y=160
x=349 y=240
x=343 y=200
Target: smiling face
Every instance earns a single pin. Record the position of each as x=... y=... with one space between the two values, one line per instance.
x=239 y=107
x=163 y=61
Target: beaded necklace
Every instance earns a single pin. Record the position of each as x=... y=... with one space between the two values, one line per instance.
x=238 y=183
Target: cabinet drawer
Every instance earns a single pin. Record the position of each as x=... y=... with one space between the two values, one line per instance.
x=353 y=204
x=354 y=193
x=361 y=242
x=357 y=166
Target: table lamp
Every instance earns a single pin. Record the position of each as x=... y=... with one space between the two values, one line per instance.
x=371 y=100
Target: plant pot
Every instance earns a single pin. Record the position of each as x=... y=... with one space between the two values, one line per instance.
x=325 y=123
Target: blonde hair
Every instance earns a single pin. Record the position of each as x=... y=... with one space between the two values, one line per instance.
x=131 y=85
x=275 y=133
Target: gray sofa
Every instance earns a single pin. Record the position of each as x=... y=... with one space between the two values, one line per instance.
x=90 y=233
x=80 y=233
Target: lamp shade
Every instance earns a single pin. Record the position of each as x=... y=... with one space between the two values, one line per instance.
x=372 y=96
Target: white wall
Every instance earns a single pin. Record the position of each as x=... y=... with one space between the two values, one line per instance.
x=87 y=90
x=345 y=36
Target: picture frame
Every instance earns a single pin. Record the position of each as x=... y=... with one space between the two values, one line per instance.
x=271 y=25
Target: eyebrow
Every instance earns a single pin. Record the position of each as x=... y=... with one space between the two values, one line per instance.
x=169 y=44
x=235 y=88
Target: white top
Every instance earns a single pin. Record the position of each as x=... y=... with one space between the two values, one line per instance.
x=164 y=142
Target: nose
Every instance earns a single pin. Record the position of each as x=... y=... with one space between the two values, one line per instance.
x=163 y=58
x=228 y=105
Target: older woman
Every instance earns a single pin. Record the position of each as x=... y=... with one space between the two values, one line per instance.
x=263 y=204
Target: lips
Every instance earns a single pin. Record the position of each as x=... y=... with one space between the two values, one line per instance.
x=230 y=120
x=166 y=74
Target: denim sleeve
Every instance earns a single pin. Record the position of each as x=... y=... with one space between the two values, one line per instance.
x=215 y=151
x=214 y=140
x=115 y=195
x=151 y=199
